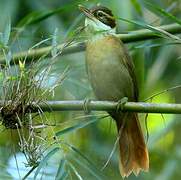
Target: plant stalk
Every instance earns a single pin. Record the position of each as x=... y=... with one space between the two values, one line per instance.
x=140 y=107
x=138 y=35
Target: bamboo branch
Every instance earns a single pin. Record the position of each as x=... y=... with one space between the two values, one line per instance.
x=134 y=36
x=140 y=107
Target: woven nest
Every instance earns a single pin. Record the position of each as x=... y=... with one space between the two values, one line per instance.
x=14 y=117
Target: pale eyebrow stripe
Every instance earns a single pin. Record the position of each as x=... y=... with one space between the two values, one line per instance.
x=107 y=14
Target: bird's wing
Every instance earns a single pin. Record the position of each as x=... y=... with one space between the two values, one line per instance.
x=130 y=66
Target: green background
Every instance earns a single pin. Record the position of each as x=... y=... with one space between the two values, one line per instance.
x=158 y=67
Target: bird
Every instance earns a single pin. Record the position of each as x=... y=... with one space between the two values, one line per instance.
x=112 y=76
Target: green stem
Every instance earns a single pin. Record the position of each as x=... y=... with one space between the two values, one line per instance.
x=140 y=107
x=133 y=36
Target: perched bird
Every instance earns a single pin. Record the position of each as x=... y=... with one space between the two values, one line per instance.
x=111 y=73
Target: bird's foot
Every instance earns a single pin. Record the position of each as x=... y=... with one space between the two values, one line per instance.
x=86 y=106
x=121 y=104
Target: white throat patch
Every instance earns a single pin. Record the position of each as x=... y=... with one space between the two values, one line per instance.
x=97 y=26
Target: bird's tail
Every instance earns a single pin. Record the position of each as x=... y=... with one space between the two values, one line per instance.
x=133 y=150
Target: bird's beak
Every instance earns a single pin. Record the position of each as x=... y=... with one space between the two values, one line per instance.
x=87 y=12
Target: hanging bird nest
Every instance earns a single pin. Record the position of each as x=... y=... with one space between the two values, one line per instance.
x=14 y=117
x=19 y=93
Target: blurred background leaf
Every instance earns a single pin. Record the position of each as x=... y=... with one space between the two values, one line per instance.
x=24 y=24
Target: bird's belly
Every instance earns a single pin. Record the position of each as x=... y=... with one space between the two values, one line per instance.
x=105 y=84
x=109 y=77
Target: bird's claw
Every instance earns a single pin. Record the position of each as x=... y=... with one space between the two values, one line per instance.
x=121 y=104
x=86 y=106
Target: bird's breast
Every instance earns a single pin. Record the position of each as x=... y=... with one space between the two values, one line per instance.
x=107 y=72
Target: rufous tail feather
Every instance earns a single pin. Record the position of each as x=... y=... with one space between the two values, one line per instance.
x=132 y=147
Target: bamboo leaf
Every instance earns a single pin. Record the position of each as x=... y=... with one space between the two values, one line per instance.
x=152 y=45
x=75 y=171
x=75 y=127
x=38 y=16
x=61 y=171
x=86 y=162
x=8 y=58
x=88 y=168
x=1 y=39
x=156 y=30
x=7 y=32
x=4 y=36
x=45 y=159
x=160 y=11
x=54 y=50
x=74 y=149
x=137 y=6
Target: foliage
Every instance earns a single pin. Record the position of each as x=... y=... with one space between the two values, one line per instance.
x=69 y=145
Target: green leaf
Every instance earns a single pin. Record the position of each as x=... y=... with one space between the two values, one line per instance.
x=7 y=32
x=75 y=127
x=64 y=176
x=1 y=76
x=61 y=171
x=156 y=9
x=86 y=162
x=74 y=149
x=54 y=49
x=45 y=159
x=70 y=31
x=8 y=58
x=89 y=168
x=152 y=45
x=12 y=78
x=156 y=30
x=37 y=16
x=1 y=39
x=137 y=6
x=75 y=171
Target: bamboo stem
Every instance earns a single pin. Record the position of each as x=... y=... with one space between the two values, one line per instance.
x=140 y=107
x=133 y=36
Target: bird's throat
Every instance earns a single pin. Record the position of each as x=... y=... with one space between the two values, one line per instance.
x=97 y=30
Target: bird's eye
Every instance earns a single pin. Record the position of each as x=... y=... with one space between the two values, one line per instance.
x=100 y=14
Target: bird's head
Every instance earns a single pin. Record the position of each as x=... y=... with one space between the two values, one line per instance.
x=99 y=19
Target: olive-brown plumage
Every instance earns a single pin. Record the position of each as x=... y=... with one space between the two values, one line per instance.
x=111 y=73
